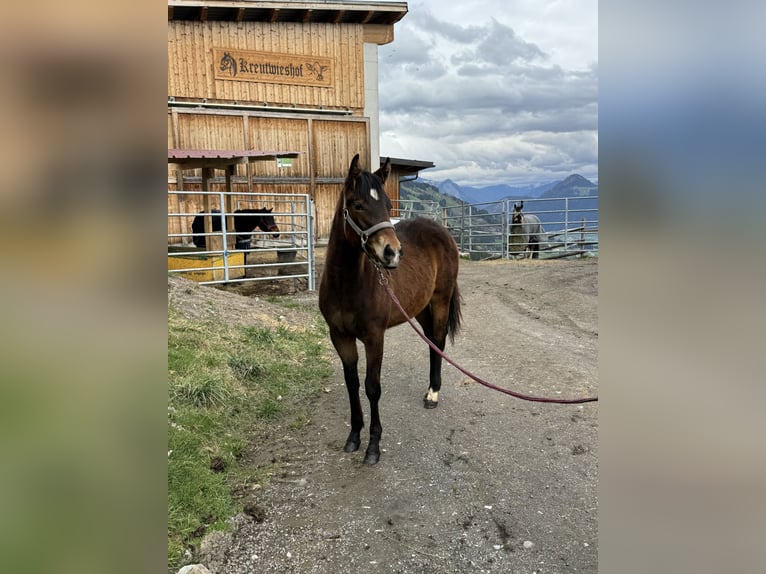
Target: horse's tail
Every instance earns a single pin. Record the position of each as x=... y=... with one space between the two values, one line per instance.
x=455 y=314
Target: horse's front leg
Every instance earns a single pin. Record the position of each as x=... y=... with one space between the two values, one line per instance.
x=346 y=348
x=374 y=353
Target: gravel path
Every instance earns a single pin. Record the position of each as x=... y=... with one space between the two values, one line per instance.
x=483 y=483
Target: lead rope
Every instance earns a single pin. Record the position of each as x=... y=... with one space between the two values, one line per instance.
x=383 y=280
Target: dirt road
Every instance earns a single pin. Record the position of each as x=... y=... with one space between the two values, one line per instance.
x=483 y=483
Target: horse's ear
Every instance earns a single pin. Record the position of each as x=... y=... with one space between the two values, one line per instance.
x=354 y=169
x=385 y=170
x=269 y=209
x=522 y=205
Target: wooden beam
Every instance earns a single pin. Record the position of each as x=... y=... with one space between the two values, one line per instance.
x=378 y=34
x=305 y=15
x=367 y=16
x=311 y=156
x=274 y=14
x=229 y=203
x=170 y=12
x=177 y=143
x=246 y=143
x=203 y=14
x=240 y=15
x=207 y=163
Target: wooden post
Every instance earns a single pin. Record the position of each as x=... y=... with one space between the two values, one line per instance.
x=213 y=242
x=229 y=203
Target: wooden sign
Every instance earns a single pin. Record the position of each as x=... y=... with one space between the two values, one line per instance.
x=293 y=69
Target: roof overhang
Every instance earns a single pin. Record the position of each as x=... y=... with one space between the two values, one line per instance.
x=408 y=165
x=221 y=159
x=322 y=11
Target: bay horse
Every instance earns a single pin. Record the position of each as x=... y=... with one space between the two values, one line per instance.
x=526 y=232
x=245 y=222
x=419 y=258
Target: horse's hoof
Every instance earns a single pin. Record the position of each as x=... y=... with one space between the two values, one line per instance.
x=430 y=404
x=372 y=458
x=351 y=446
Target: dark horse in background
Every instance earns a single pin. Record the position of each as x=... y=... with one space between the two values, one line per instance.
x=245 y=222
x=526 y=232
x=420 y=260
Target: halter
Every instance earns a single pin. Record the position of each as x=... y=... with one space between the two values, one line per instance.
x=364 y=235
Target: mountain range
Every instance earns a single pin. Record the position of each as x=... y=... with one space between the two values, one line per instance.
x=573 y=186
x=576 y=193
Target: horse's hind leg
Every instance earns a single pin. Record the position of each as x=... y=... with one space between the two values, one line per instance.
x=534 y=247
x=434 y=319
x=349 y=356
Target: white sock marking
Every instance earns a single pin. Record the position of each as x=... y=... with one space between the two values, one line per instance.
x=432 y=396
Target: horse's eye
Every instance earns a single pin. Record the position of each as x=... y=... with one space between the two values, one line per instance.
x=358 y=206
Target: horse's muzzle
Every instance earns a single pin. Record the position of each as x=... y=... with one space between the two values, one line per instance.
x=391 y=257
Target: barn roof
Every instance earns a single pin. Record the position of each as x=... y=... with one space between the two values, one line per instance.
x=216 y=158
x=319 y=11
x=408 y=165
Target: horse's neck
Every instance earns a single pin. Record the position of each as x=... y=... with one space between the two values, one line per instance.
x=345 y=259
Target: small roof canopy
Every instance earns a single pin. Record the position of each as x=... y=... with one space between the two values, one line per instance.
x=221 y=159
x=408 y=165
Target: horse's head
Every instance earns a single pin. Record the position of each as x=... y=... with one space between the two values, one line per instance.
x=367 y=213
x=517 y=218
x=266 y=222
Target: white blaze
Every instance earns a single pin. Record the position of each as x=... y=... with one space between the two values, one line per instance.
x=374 y=194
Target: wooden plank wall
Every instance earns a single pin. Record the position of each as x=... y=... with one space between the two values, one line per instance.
x=328 y=144
x=191 y=63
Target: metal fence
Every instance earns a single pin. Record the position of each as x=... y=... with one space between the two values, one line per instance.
x=268 y=256
x=408 y=208
x=483 y=230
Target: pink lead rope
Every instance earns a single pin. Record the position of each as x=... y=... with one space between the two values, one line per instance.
x=384 y=282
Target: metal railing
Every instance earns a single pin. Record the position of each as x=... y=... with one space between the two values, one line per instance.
x=478 y=228
x=483 y=230
x=290 y=255
x=409 y=208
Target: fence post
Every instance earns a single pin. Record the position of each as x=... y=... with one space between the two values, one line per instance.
x=294 y=223
x=224 y=247
x=504 y=250
x=566 y=224
x=470 y=232
x=310 y=241
x=462 y=227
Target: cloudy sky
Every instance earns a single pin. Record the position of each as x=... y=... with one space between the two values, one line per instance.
x=493 y=91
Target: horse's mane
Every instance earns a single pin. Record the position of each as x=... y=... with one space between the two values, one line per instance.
x=369 y=180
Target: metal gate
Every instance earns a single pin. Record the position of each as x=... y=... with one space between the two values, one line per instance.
x=483 y=230
x=267 y=256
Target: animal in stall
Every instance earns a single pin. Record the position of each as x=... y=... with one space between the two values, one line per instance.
x=245 y=222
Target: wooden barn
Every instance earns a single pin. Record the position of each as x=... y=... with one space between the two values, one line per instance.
x=294 y=84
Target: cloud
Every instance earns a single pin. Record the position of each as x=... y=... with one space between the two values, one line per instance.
x=485 y=104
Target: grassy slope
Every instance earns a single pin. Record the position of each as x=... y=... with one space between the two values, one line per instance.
x=224 y=383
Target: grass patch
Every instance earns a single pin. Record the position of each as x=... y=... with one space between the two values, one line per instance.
x=224 y=381
x=283 y=302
